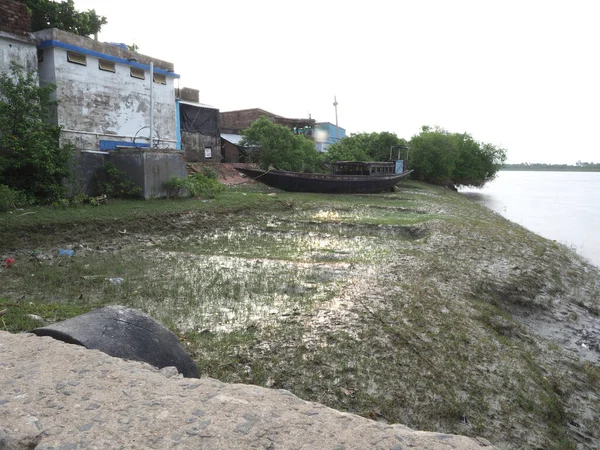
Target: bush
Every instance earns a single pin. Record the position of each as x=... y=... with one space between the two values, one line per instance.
x=453 y=159
x=11 y=199
x=31 y=159
x=197 y=185
x=176 y=187
x=201 y=185
x=113 y=182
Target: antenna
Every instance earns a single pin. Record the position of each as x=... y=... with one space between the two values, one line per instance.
x=335 y=105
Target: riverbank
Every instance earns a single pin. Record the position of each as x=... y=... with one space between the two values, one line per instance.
x=416 y=307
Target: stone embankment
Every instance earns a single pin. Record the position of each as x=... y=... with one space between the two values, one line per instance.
x=60 y=396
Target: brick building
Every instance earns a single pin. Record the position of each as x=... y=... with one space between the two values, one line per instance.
x=233 y=122
x=14 y=17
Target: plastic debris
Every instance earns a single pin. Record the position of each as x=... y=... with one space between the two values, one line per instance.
x=116 y=280
x=9 y=262
x=35 y=317
x=63 y=252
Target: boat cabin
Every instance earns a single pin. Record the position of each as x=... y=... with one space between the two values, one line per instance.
x=366 y=168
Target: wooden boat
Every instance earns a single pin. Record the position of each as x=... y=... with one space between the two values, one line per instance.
x=348 y=177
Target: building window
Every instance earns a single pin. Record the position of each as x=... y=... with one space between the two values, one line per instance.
x=76 y=58
x=159 y=78
x=107 y=66
x=137 y=73
x=207 y=152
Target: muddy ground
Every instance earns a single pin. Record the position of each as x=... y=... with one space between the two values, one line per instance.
x=418 y=306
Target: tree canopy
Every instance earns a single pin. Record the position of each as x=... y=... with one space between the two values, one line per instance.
x=436 y=156
x=63 y=15
x=440 y=157
x=280 y=148
x=364 y=147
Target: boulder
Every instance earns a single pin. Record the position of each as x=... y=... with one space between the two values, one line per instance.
x=124 y=333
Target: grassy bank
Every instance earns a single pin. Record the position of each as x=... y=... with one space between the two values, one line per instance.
x=417 y=306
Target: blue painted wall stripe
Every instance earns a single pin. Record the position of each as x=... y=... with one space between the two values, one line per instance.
x=112 y=145
x=85 y=51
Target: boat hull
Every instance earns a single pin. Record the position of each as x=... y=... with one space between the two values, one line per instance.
x=324 y=183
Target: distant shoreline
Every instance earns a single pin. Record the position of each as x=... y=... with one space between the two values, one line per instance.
x=550 y=168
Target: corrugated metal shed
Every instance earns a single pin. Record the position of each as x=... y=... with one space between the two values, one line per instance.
x=235 y=139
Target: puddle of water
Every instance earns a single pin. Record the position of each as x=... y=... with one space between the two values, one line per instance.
x=222 y=293
x=231 y=279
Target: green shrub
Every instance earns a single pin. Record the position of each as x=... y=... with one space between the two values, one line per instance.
x=10 y=199
x=209 y=173
x=197 y=185
x=113 y=182
x=176 y=187
x=31 y=159
x=201 y=185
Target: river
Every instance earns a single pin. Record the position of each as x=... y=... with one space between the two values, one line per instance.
x=563 y=206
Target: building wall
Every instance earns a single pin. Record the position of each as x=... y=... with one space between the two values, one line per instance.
x=96 y=105
x=195 y=145
x=54 y=34
x=229 y=151
x=328 y=134
x=149 y=169
x=236 y=121
x=19 y=50
x=330 y=129
x=17 y=46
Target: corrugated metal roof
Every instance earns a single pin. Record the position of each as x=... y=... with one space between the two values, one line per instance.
x=200 y=105
x=233 y=138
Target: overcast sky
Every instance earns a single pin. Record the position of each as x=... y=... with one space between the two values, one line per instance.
x=524 y=75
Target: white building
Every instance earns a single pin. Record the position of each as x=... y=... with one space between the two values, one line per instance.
x=104 y=93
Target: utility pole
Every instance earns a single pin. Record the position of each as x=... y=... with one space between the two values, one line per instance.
x=337 y=133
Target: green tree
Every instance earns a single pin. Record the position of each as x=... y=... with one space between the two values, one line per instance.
x=63 y=15
x=453 y=159
x=364 y=147
x=31 y=160
x=280 y=148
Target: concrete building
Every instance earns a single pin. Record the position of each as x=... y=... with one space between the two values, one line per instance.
x=107 y=101
x=199 y=126
x=103 y=92
x=17 y=45
x=327 y=133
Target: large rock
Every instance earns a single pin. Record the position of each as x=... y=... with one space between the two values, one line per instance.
x=125 y=333
x=56 y=395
